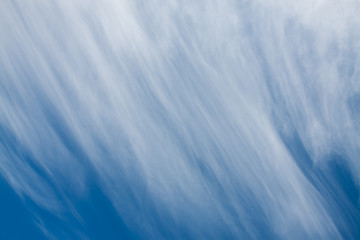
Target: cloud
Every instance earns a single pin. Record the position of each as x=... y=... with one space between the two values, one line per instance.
x=205 y=119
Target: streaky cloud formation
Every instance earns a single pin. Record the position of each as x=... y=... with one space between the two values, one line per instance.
x=218 y=119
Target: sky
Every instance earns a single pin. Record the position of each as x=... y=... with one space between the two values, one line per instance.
x=208 y=119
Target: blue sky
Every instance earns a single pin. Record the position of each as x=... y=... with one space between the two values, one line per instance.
x=179 y=119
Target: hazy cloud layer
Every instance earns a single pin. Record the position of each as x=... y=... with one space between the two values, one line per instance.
x=182 y=119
